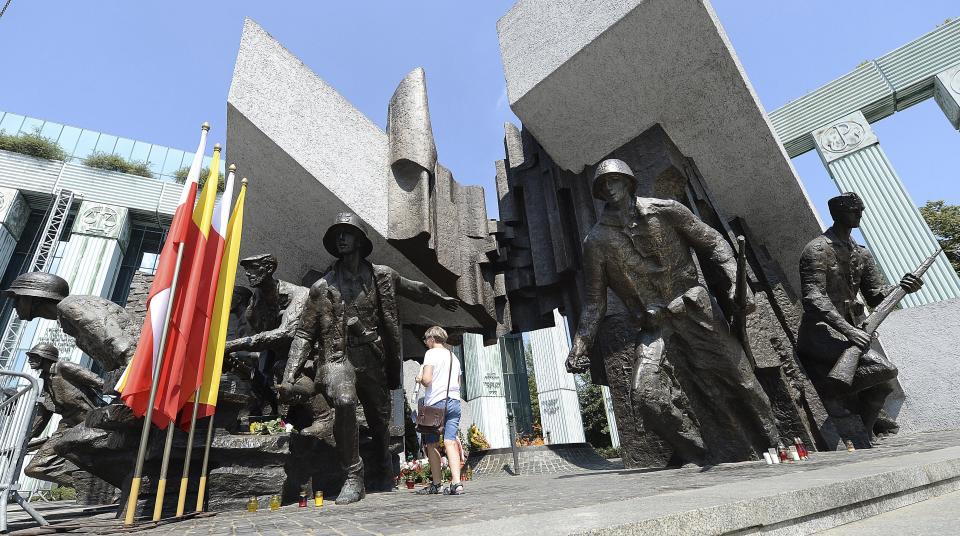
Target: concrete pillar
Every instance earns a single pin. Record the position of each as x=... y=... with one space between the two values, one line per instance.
x=946 y=91
x=611 y=417
x=13 y=217
x=556 y=390
x=483 y=372
x=892 y=225
x=90 y=262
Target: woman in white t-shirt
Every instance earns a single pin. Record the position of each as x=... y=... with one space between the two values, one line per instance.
x=440 y=374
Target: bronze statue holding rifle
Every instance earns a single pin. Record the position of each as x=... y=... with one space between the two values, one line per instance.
x=835 y=343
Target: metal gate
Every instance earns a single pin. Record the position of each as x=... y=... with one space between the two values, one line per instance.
x=18 y=406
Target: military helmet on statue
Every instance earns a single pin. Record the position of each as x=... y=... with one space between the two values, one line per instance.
x=44 y=351
x=611 y=167
x=39 y=285
x=351 y=221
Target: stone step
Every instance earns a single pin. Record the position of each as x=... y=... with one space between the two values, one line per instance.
x=798 y=502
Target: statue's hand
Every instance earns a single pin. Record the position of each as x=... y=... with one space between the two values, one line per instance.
x=285 y=392
x=911 y=283
x=577 y=361
x=859 y=338
x=448 y=303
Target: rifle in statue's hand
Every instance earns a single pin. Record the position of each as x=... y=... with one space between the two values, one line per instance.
x=845 y=368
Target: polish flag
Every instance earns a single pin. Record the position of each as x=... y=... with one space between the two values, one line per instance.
x=138 y=378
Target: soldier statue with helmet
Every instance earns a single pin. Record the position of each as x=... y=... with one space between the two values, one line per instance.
x=69 y=390
x=641 y=250
x=349 y=333
x=103 y=330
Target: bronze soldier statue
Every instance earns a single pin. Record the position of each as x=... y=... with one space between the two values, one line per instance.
x=350 y=330
x=103 y=330
x=271 y=316
x=640 y=249
x=833 y=270
x=70 y=390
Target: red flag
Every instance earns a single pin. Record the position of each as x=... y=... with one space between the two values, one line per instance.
x=209 y=275
x=137 y=379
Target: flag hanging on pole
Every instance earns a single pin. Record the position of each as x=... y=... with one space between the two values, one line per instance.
x=213 y=362
x=208 y=277
x=201 y=336
x=137 y=378
x=178 y=377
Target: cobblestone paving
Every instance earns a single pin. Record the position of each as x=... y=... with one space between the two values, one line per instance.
x=496 y=498
x=543 y=460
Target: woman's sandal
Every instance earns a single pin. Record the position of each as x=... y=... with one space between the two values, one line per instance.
x=432 y=489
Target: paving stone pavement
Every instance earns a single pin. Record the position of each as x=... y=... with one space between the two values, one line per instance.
x=491 y=499
x=539 y=460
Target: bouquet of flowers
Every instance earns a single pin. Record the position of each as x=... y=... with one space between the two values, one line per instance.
x=274 y=427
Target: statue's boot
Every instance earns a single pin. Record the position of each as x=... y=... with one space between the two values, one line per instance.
x=352 y=490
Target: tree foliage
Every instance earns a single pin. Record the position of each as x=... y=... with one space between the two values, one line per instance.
x=532 y=386
x=593 y=412
x=32 y=144
x=113 y=162
x=181 y=177
x=944 y=221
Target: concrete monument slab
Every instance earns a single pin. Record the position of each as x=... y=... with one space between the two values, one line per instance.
x=585 y=78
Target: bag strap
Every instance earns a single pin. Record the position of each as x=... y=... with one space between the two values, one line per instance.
x=446 y=402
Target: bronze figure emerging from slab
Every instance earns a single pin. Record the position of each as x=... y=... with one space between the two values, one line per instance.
x=833 y=270
x=350 y=329
x=641 y=250
x=70 y=390
x=103 y=330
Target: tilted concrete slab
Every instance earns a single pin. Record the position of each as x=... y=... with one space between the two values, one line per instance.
x=587 y=77
x=310 y=154
x=924 y=343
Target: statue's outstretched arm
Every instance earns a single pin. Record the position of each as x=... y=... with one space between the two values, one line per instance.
x=305 y=330
x=422 y=293
x=79 y=376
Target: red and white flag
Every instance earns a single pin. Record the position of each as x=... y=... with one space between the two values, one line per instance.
x=209 y=275
x=137 y=379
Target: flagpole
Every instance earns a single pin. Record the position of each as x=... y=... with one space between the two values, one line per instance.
x=184 y=479
x=229 y=242
x=145 y=432
x=203 y=471
x=162 y=482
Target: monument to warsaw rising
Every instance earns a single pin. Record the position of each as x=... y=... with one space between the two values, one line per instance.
x=666 y=223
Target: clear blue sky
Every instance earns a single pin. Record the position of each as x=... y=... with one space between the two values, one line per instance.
x=153 y=71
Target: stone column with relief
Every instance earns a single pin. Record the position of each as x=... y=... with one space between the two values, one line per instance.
x=892 y=226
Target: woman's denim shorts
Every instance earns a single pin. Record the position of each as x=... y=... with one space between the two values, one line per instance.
x=452 y=422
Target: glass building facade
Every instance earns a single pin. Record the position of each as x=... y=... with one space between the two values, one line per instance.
x=80 y=143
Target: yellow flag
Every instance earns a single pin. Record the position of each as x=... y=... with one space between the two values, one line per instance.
x=213 y=362
x=203 y=213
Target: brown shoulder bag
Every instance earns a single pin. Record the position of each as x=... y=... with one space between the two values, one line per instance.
x=430 y=420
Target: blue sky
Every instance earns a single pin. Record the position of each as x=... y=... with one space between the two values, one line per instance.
x=154 y=71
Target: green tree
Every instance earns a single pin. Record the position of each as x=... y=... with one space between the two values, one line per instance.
x=944 y=221
x=594 y=414
x=181 y=176
x=532 y=386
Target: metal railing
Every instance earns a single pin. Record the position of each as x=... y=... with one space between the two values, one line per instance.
x=18 y=406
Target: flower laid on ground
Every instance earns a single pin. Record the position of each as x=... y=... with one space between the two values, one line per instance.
x=274 y=427
x=476 y=438
x=529 y=441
